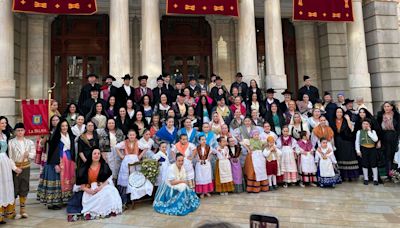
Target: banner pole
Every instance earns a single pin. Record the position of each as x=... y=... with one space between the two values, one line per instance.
x=49 y=92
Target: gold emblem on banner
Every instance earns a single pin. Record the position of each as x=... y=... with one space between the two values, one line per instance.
x=190 y=7
x=175 y=5
x=336 y=15
x=40 y=5
x=346 y=4
x=23 y=2
x=204 y=7
x=74 y=6
x=312 y=14
x=218 y=8
x=300 y=3
x=57 y=6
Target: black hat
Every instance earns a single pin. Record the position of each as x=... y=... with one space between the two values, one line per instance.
x=19 y=125
x=181 y=94
x=270 y=90
x=166 y=75
x=327 y=93
x=202 y=77
x=347 y=101
x=140 y=78
x=127 y=77
x=93 y=88
x=239 y=75
x=92 y=75
x=179 y=80
x=111 y=77
x=191 y=78
x=286 y=92
x=160 y=78
x=218 y=78
x=305 y=77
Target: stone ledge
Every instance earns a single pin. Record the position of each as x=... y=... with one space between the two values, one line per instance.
x=382 y=36
x=384 y=65
x=381 y=22
x=383 y=51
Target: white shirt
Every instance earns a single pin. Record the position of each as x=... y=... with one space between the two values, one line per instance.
x=127 y=90
x=372 y=134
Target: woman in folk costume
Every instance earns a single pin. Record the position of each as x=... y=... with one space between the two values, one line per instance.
x=306 y=161
x=322 y=130
x=55 y=188
x=130 y=155
x=235 y=152
x=305 y=106
x=100 y=197
x=216 y=123
x=297 y=125
x=236 y=121
x=161 y=109
x=366 y=140
x=223 y=171
x=7 y=200
x=86 y=142
x=188 y=130
x=223 y=110
x=287 y=144
x=168 y=132
x=313 y=120
x=98 y=115
x=267 y=132
x=174 y=196
x=273 y=156
x=146 y=144
x=244 y=131
x=21 y=151
x=162 y=157
x=188 y=150
x=211 y=138
x=204 y=183
x=254 y=166
x=41 y=143
x=345 y=152
x=109 y=137
x=325 y=159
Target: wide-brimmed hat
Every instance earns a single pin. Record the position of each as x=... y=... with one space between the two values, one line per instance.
x=109 y=77
x=271 y=90
x=92 y=75
x=140 y=78
x=286 y=91
x=127 y=77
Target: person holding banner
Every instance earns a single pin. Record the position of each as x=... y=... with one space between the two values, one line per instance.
x=58 y=178
x=21 y=151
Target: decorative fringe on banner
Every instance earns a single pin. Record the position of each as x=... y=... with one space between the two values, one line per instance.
x=323 y=10
x=80 y=7
x=203 y=7
x=35 y=116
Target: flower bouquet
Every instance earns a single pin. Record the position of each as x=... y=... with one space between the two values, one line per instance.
x=149 y=168
x=395 y=174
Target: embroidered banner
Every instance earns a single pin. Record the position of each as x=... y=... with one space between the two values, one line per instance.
x=323 y=10
x=82 y=7
x=221 y=7
x=35 y=116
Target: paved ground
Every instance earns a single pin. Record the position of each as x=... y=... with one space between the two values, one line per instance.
x=350 y=205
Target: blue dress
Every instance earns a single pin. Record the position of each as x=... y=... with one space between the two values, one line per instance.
x=177 y=199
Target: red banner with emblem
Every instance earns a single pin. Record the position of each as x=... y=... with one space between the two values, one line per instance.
x=221 y=7
x=323 y=10
x=35 y=116
x=81 y=7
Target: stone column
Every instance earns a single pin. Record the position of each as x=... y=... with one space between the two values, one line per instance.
x=307 y=52
x=276 y=77
x=136 y=31
x=359 y=78
x=7 y=82
x=151 y=41
x=383 y=50
x=36 y=57
x=120 y=56
x=247 y=46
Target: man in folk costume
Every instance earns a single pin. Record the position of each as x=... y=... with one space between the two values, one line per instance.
x=108 y=89
x=169 y=89
x=158 y=90
x=242 y=86
x=193 y=87
x=202 y=83
x=312 y=91
x=85 y=91
x=284 y=105
x=21 y=151
x=143 y=89
x=188 y=150
x=270 y=99
x=126 y=91
x=94 y=98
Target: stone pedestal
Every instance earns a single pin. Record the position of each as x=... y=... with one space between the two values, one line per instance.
x=307 y=52
x=276 y=77
x=247 y=46
x=359 y=78
x=383 y=50
x=119 y=39
x=151 y=41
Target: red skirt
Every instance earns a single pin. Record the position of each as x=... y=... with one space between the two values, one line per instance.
x=272 y=167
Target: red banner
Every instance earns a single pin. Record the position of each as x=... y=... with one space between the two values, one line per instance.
x=82 y=7
x=323 y=10
x=36 y=117
x=221 y=7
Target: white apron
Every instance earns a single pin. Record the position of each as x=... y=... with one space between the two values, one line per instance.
x=203 y=173
x=326 y=168
x=308 y=163
x=259 y=165
x=225 y=172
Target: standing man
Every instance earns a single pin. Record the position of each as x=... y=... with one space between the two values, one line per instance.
x=94 y=98
x=85 y=91
x=202 y=83
x=160 y=89
x=126 y=91
x=287 y=95
x=330 y=107
x=270 y=99
x=143 y=89
x=193 y=87
x=242 y=86
x=218 y=90
x=312 y=91
x=169 y=89
x=179 y=86
x=21 y=151
x=108 y=89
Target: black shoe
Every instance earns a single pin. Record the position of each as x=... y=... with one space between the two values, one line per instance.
x=365 y=182
x=376 y=183
x=3 y=222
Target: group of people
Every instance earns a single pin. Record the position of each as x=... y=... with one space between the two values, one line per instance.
x=207 y=139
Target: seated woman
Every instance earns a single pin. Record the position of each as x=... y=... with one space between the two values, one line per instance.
x=100 y=197
x=174 y=197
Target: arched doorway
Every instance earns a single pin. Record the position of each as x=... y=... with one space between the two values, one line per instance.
x=79 y=46
x=186 y=46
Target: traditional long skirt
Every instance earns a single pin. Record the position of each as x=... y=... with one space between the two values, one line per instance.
x=237 y=175
x=6 y=187
x=252 y=185
x=222 y=187
x=390 y=142
x=346 y=157
x=204 y=183
x=49 y=189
